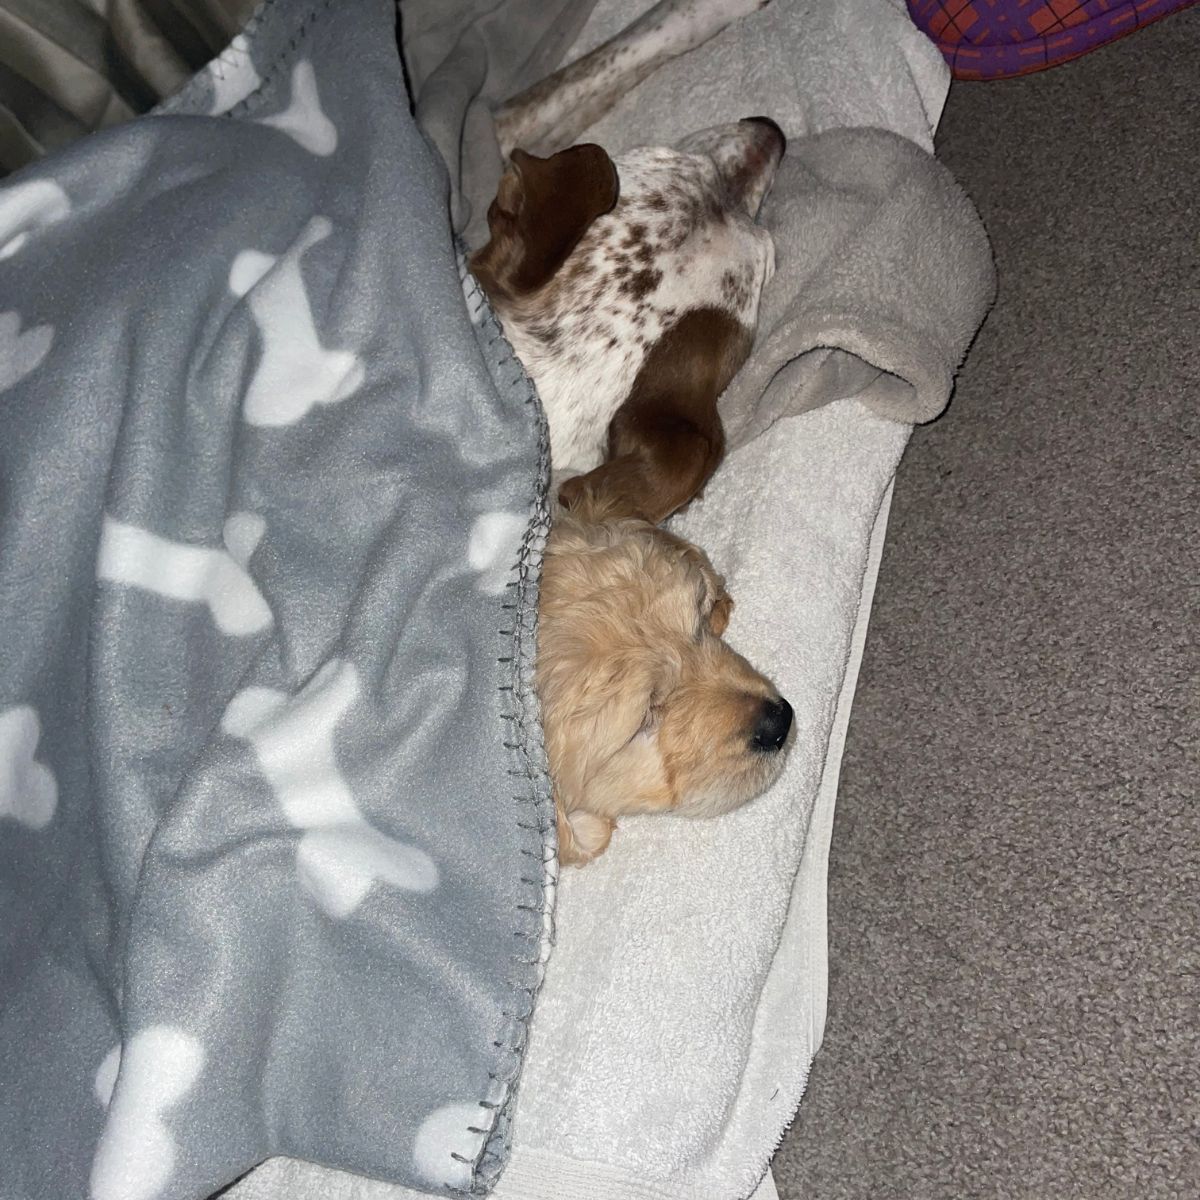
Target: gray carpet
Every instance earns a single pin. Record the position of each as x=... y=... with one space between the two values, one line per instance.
x=1014 y=1003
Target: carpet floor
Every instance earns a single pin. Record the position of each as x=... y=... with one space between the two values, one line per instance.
x=1014 y=1004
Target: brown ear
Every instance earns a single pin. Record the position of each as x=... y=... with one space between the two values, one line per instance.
x=542 y=208
x=721 y=611
x=718 y=603
x=666 y=440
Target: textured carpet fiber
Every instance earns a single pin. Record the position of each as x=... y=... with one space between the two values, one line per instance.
x=1014 y=887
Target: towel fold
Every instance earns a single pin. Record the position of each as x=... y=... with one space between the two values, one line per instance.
x=656 y=1055
x=883 y=275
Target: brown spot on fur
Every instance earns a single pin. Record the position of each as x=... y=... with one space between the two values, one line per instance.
x=673 y=236
x=736 y=286
x=578 y=268
x=641 y=283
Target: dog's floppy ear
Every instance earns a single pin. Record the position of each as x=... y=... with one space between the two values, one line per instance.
x=666 y=440
x=717 y=605
x=542 y=208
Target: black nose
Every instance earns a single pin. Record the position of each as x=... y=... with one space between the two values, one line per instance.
x=771 y=729
x=771 y=126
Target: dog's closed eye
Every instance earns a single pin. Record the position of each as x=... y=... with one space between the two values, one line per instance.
x=653 y=713
x=652 y=718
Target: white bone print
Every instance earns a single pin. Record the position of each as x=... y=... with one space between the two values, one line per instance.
x=447 y=1132
x=26 y=208
x=135 y=1157
x=303 y=120
x=217 y=578
x=296 y=371
x=28 y=789
x=492 y=548
x=340 y=854
x=21 y=351
x=233 y=76
x=106 y=1076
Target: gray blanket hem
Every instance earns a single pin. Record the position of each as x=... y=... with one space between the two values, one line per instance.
x=184 y=96
x=523 y=740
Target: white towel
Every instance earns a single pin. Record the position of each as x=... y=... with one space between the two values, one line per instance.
x=686 y=995
x=681 y=1008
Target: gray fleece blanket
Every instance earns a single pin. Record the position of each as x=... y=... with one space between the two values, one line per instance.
x=275 y=835
x=686 y=995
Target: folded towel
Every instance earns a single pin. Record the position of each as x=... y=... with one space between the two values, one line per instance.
x=685 y=997
x=883 y=276
x=658 y=1065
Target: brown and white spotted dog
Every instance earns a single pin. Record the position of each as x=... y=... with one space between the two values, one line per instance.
x=629 y=287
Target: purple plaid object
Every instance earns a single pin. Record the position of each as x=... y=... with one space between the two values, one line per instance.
x=992 y=39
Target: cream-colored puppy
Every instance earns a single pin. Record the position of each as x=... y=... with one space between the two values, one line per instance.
x=645 y=708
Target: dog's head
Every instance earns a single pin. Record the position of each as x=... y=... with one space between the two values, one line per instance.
x=645 y=708
x=591 y=263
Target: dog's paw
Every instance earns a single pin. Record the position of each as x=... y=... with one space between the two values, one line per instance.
x=582 y=837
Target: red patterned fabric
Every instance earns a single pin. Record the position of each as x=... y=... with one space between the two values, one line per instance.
x=992 y=39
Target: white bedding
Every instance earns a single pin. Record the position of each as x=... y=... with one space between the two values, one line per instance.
x=686 y=996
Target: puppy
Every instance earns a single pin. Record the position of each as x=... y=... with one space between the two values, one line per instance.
x=629 y=288
x=644 y=707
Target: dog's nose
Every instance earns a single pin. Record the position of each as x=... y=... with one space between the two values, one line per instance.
x=773 y=132
x=771 y=729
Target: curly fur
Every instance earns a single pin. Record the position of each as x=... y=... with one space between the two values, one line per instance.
x=645 y=707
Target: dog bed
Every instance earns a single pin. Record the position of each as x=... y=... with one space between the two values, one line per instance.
x=685 y=996
x=996 y=39
x=277 y=846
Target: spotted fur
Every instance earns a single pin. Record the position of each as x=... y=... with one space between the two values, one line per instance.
x=556 y=111
x=632 y=305
x=676 y=241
